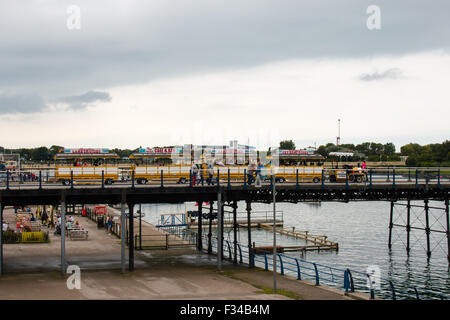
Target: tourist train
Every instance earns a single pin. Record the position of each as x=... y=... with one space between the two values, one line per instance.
x=186 y=164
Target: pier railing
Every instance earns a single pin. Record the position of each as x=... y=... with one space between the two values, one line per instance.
x=41 y=178
x=350 y=281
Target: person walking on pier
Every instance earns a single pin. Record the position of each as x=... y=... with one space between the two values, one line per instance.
x=250 y=170
x=194 y=174
x=364 y=166
x=210 y=172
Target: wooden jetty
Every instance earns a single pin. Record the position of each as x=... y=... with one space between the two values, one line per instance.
x=320 y=241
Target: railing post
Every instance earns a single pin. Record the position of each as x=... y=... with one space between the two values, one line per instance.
x=350 y=281
x=245 y=179
x=167 y=241
x=409 y=174
x=393 y=290
x=370 y=177
x=388 y=175
x=190 y=178
x=229 y=250
x=323 y=180
x=7 y=179
x=229 y=180
x=346 y=178
x=40 y=179
x=218 y=177
x=299 y=274
x=281 y=264
x=71 y=179
x=417 y=293
x=297 y=186
x=162 y=179
x=240 y=253
x=393 y=178
x=346 y=281
x=317 y=274
x=132 y=179
x=103 y=179
x=266 y=263
x=439 y=178
x=417 y=178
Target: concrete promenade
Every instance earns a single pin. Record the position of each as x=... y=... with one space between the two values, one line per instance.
x=32 y=272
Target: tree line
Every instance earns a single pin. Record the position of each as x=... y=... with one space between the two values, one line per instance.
x=430 y=155
x=435 y=154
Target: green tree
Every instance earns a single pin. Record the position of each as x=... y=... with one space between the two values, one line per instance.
x=287 y=145
x=40 y=154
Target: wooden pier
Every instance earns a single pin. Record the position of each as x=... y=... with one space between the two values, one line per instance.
x=320 y=241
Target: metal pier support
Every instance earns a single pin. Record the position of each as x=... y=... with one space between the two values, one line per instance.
x=123 y=232
x=427 y=228
x=235 y=230
x=140 y=226
x=200 y=226
x=211 y=209
x=130 y=237
x=249 y=231
x=391 y=225
x=1 y=238
x=447 y=218
x=63 y=234
x=219 y=233
x=408 y=225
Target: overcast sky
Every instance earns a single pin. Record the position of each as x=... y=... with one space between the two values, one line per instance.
x=148 y=73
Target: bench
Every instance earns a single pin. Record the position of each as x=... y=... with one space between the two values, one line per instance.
x=78 y=234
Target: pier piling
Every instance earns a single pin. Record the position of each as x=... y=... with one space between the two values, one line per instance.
x=391 y=225
x=130 y=237
x=249 y=231
x=427 y=228
x=63 y=234
x=123 y=233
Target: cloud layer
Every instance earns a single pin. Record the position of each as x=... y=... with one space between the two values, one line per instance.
x=84 y=100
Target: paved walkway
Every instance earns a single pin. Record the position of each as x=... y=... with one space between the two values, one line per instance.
x=32 y=272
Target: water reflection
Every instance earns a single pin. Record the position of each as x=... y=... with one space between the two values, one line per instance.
x=360 y=228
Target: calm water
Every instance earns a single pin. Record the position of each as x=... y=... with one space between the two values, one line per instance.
x=361 y=229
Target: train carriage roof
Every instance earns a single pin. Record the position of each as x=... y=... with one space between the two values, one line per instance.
x=86 y=153
x=165 y=152
x=299 y=154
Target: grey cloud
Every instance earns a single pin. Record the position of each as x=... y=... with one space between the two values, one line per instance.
x=11 y=103
x=393 y=73
x=127 y=42
x=84 y=100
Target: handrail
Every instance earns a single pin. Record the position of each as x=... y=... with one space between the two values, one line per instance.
x=340 y=278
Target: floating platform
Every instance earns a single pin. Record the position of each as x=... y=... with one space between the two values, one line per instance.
x=321 y=242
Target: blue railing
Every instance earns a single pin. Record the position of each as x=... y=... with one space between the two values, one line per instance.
x=320 y=274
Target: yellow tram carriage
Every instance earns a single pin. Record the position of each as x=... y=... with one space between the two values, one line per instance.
x=86 y=165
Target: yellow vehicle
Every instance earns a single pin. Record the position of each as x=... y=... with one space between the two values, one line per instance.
x=181 y=164
x=86 y=165
x=147 y=165
x=344 y=172
x=10 y=165
x=308 y=165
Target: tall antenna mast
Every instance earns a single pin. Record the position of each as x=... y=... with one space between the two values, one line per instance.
x=338 y=139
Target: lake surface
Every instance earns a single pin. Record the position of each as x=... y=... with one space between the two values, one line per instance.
x=361 y=229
